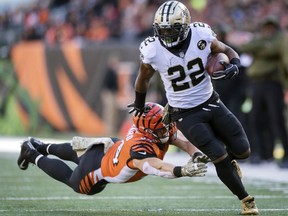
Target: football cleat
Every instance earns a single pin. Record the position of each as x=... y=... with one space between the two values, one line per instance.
x=38 y=145
x=27 y=149
x=237 y=167
x=249 y=206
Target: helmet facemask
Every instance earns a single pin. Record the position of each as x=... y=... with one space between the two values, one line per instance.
x=150 y=123
x=171 y=36
x=164 y=133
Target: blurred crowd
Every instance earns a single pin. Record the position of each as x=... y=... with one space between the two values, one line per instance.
x=56 y=21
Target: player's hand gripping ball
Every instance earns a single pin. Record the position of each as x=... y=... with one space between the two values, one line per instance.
x=214 y=62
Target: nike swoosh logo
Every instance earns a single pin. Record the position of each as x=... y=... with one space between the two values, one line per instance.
x=22 y=164
x=142 y=152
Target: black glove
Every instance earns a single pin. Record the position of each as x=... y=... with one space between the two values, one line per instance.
x=231 y=70
x=138 y=111
x=138 y=106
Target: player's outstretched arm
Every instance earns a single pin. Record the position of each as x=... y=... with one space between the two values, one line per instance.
x=155 y=166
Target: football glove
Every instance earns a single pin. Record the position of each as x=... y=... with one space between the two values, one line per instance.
x=138 y=111
x=199 y=157
x=230 y=71
x=138 y=106
x=194 y=169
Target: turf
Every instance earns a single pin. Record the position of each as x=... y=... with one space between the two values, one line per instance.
x=32 y=192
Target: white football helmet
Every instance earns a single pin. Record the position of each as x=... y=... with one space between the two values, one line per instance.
x=171 y=23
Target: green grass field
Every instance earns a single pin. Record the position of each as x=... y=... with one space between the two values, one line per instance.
x=31 y=192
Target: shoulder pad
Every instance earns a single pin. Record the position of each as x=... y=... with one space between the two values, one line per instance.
x=148 y=49
x=203 y=29
x=200 y=24
x=141 y=151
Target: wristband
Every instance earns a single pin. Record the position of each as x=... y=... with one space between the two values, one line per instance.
x=140 y=99
x=235 y=61
x=177 y=171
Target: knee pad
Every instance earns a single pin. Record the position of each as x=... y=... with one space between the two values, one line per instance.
x=239 y=155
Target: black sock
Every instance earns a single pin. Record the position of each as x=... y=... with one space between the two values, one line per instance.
x=56 y=169
x=43 y=149
x=228 y=175
x=33 y=156
x=64 y=151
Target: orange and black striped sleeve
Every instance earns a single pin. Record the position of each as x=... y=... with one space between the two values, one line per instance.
x=141 y=151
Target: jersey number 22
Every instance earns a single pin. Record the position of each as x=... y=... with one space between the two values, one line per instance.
x=193 y=76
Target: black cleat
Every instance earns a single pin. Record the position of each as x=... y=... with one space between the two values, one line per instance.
x=27 y=149
x=38 y=145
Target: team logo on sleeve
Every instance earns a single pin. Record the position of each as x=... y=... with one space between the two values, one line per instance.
x=201 y=44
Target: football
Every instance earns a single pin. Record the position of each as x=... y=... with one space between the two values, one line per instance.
x=213 y=62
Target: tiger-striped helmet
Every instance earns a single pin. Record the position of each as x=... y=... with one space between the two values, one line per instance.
x=171 y=23
x=150 y=122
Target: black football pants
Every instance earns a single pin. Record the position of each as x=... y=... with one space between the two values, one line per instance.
x=212 y=129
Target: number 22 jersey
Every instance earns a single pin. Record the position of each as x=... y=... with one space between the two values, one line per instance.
x=186 y=82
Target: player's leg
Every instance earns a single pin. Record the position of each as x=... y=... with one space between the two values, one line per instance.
x=203 y=137
x=55 y=168
x=62 y=150
x=229 y=129
x=87 y=176
x=81 y=180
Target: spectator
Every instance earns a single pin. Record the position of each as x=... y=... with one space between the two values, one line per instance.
x=128 y=19
x=109 y=95
x=266 y=74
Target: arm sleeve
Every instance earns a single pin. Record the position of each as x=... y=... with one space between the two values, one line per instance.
x=149 y=170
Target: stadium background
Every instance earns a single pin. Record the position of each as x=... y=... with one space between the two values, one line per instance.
x=55 y=56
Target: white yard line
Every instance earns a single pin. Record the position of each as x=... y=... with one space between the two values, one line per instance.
x=130 y=198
